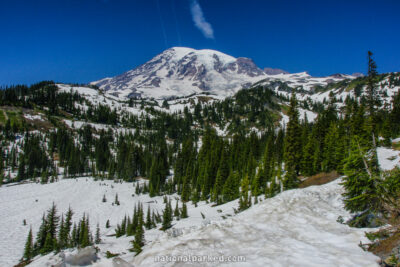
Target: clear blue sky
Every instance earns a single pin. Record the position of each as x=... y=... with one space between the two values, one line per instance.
x=85 y=40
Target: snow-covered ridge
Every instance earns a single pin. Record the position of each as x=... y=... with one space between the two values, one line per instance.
x=181 y=71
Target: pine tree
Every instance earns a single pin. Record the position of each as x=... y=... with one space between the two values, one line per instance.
x=61 y=233
x=108 y=224
x=255 y=185
x=138 y=243
x=176 y=212
x=360 y=183
x=41 y=236
x=52 y=221
x=85 y=234
x=292 y=152
x=372 y=95
x=267 y=167
x=184 y=213
x=330 y=161
x=186 y=186
x=21 y=168
x=244 y=201
x=148 y=224
x=74 y=236
x=230 y=190
x=116 y=201
x=98 y=238
x=28 y=251
x=167 y=216
x=222 y=175
x=48 y=244
x=308 y=159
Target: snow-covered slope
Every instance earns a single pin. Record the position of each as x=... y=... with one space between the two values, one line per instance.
x=295 y=228
x=181 y=71
x=305 y=87
x=84 y=195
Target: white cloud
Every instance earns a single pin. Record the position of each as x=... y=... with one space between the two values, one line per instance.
x=199 y=20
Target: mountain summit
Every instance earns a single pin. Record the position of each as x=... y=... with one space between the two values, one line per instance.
x=181 y=71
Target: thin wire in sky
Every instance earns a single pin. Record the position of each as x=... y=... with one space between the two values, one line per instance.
x=162 y=24
x=176 y=22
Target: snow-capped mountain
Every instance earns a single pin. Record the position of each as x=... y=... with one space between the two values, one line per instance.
x=181 y=71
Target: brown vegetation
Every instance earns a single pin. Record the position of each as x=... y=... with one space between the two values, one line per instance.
x=319 y=179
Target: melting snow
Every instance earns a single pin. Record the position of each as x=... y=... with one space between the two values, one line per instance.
x=295 y=228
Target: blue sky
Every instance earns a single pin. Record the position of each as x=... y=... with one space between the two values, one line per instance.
x=85 y=40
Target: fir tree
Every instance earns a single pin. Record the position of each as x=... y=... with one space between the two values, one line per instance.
x=176 y=212
x=308 y=157
x=21 y=168
x=61 y=233
x=292 y=152
x=48 y=244
x=28 y=251
x=244 y=201
x=116 y=201
x=230 y=190
x=138 y=243
x=184 y=213
x=148 y=224
x=41 y=236
x=167 y=216
x=360 y=183
x=98 y=238
x=373 y=99
x=222 y=175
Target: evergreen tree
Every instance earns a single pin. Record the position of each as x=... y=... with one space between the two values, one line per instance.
x=138 y=243
x=245 y=200
x=176 y=212
x=230 y=190
x=184 y=213
x=167 y=216
x=61 y=234
x=41 y=236
x=360 y=183
x=21 y=168
x=222 y=175
x=48 y=244
x=116 y=201
x=308 y=157
x=372 y=95
x=98 y=238
x=330 y=157
x=28 y=251
x=292 y=152
x=148 y=224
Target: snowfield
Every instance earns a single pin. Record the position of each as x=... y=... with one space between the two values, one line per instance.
x=295 y=228
x=84 y=195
